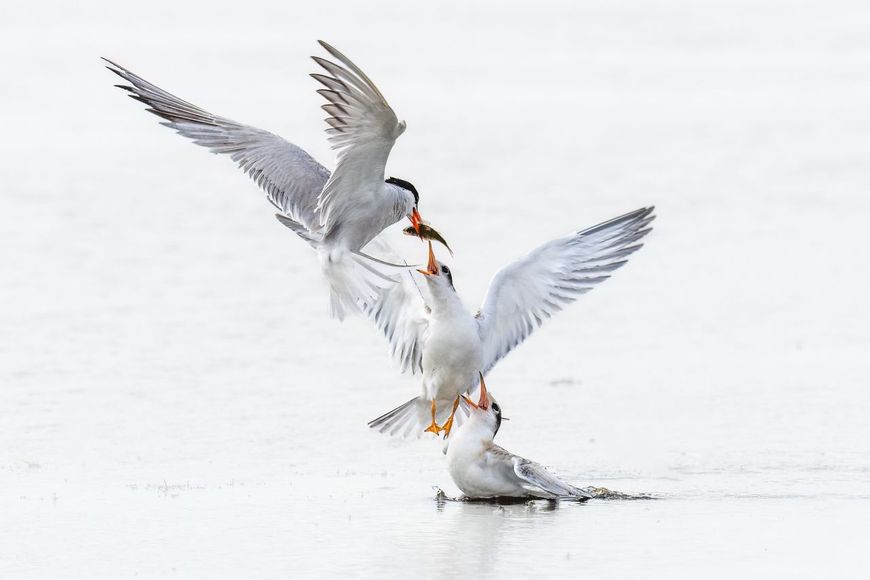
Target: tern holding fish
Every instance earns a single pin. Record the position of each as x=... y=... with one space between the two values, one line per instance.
x=426 y=232
x=441 y=339
x=337 y=213
x=482 y=469
x=342 y=213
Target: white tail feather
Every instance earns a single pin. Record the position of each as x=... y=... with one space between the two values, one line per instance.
x=352 y=281
x=353 y=278
x=411 y=419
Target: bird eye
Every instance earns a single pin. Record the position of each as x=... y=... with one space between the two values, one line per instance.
x=496 y=409
x=445 y=270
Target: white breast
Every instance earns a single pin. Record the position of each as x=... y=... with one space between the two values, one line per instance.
x=452 y=356
x=473 y=471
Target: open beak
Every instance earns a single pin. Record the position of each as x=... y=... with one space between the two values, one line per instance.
x=483 y=403
x=432 y=266
x=415 y=220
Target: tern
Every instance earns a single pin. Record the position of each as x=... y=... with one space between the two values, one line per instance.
x=337 y=213
x=482 y=469
x=449 y=346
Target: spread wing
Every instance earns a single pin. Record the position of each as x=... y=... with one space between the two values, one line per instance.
x=362 y=127
x=525 y=293
x=537 y=476
x=291 y=178
x=400 y=313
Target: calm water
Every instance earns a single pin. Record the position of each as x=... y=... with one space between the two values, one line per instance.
x=176 y=402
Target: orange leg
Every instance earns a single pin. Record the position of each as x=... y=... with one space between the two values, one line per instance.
x=433 y=428
x=448 y=425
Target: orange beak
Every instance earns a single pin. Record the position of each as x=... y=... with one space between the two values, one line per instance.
x=415 y=220
x=483 y=403
x=432 y=266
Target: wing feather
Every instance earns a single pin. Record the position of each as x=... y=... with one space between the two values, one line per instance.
x=538 y=477
x=400 y=314
x=291 y=178
x=528 y=291
x=362 y=128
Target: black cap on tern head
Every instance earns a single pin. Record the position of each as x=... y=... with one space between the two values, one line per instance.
x=405 y=185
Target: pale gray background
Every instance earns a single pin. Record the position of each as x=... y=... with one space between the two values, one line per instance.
x=175 y=401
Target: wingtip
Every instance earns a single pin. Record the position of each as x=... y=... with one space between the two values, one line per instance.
x=331 y=50
x=112 y=65
x=325 y=64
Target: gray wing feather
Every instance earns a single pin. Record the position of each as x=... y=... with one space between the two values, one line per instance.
x=525 y=293
x=537 y=476
x=362 y=128
x=291 y=178
x=300 y=230
x=399 y=312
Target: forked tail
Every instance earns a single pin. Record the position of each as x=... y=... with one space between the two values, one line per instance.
x=353 y=281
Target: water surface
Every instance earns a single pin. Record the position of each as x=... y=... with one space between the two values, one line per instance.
x=176 y=402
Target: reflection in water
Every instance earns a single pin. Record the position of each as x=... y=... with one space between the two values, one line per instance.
x=490 y=526
x=442 y=498
x=500 y=528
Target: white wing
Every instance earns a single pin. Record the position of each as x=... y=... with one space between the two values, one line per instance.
x=525 y=293
x=399 y=311
x=363 y=128
x=291 y=178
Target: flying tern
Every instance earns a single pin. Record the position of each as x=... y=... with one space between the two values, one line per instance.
x=449 y=346
x=337 y=213
x=482 y=469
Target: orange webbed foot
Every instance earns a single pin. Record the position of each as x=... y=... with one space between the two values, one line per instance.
x=448 y=425
x=433 y=427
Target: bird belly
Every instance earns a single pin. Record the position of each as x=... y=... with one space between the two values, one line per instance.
x=452 y=358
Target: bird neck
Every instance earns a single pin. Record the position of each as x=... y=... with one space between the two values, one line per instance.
x=478 y=427
x=445 y=300
x=403 y=201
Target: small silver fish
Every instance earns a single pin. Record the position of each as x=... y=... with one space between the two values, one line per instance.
x=427 y=232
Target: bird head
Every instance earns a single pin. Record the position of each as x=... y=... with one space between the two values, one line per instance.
x=486 y=409
x=438 y=275
x=418 y=228
x=414 y=215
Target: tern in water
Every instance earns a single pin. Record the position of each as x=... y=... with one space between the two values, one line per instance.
x=337 y=213
x=441 y=339
x=482 y=469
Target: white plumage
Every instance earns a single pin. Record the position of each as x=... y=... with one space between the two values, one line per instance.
x=482 y=469
x=441 y=339
x=337 y=213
